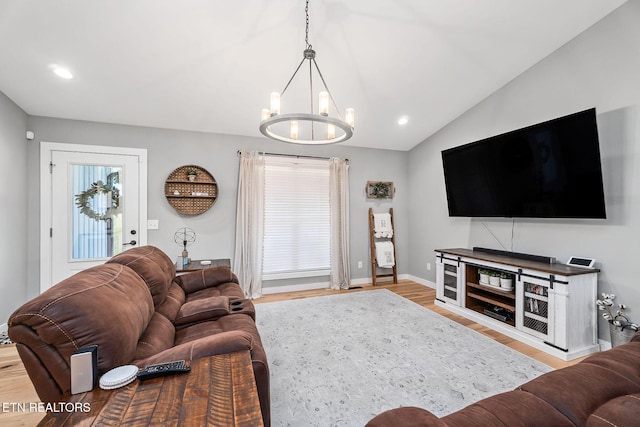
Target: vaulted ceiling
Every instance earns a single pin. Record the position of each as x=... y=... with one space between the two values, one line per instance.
x=209 y=66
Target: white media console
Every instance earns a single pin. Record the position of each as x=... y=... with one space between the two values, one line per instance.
x=550 y=307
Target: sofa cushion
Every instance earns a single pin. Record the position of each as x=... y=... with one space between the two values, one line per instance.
x=203 y=309
x=622 y=360
x=171 y=305
x=211 y=277
x=158 y=337
x=621 y=411
x=510 y=409
x=406 y=416
x=577 y=391
x=152 y=265
x=107 y=305
x=228 y=289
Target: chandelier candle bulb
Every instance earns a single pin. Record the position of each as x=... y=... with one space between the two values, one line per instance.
x=275 y=103
x=323 y=100
x=265 y=114
x=331 y=131
x=349 y=114
x=293 y=130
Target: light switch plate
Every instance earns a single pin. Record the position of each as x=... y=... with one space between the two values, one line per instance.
x=152 y=224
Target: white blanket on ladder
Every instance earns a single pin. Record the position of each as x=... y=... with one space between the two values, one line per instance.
x=384 y=254
x=382 y=225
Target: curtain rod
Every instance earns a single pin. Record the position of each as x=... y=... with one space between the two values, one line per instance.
x=297 y=156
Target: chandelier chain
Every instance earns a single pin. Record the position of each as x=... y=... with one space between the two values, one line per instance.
x=306 y=37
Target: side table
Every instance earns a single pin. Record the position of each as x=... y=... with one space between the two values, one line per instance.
x=195 y=265
x=218 y=391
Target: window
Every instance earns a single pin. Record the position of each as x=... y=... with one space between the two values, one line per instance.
x=296 y=218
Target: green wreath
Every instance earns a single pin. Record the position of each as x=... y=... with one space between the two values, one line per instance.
x=99 y=187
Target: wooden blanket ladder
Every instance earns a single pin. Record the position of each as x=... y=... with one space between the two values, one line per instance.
x=372 y=244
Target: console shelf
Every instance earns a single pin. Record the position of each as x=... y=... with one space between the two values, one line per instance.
x=493 y=290
x=548 y=306
x=494 y=301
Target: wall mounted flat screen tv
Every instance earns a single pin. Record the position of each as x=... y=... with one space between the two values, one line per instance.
x=548 y=170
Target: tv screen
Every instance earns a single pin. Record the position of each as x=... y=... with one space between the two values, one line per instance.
x=548 y=170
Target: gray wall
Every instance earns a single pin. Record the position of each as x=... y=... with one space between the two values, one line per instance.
x=13 y=205
x=600 y=68
x=168 y=149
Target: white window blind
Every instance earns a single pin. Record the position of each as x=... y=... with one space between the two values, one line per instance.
x=296 y=218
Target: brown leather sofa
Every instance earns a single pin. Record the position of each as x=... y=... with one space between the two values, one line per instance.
x=601 y=391
x=139 y=312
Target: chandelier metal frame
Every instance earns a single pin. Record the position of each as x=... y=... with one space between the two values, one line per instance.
x=273 y=116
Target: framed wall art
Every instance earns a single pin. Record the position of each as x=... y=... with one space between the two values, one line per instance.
x=380 y=190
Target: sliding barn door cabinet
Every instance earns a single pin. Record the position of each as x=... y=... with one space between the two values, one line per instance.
x=548 y=306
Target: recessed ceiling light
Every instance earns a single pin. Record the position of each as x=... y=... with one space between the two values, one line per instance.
x=62 y=72
x=403 y=120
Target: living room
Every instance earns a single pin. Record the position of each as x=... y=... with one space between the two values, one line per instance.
x=598 y=68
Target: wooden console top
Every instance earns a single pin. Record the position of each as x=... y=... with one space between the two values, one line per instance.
x=559 y=269
x=218 y=391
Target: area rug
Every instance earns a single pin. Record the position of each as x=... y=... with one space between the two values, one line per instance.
x=340 y=360
x=4 y=338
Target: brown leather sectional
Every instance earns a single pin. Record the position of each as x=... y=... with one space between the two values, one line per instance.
x=139 y=312
x=601 y=391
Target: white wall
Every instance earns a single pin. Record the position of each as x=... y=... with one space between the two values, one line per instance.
x=600 y=68
x=168 y=149
x=14 y=259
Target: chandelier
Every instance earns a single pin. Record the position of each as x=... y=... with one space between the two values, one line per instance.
x=314 y=127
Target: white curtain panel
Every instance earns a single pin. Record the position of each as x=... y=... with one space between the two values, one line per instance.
x=339 y=201
x=249 y=224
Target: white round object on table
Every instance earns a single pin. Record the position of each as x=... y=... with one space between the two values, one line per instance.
x=118 y=377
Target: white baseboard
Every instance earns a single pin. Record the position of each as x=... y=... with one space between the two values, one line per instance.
x=604 y=345
x=421 y=281
x=311 y=286
x=294 y=288
x=325 y=285
x=361 y=281
x=3 y=328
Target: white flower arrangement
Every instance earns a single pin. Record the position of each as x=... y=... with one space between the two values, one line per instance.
x=619 y=318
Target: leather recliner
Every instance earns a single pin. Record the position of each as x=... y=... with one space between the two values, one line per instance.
x=139 y=312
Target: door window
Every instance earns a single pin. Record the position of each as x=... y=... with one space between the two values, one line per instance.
x=96 y=230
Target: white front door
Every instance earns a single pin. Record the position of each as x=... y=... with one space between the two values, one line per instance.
x=96 y=207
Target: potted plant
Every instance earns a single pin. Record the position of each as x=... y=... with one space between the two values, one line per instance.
x=484 y=276
x=620 y=327
x=494 y=278
x=192 y=173
x=506 y=281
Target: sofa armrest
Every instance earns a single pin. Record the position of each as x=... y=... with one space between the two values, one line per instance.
x=206 y=278
x=202 y=310
x=406 y=416
x=224 y=342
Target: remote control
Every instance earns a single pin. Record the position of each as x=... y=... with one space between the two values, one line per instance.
x=160 y=369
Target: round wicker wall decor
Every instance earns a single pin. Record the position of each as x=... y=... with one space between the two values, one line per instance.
x=191 y=190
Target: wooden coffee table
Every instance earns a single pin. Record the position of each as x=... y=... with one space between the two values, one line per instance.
x=219 y=391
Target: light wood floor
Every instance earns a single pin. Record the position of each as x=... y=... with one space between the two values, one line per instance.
x=15 y=385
